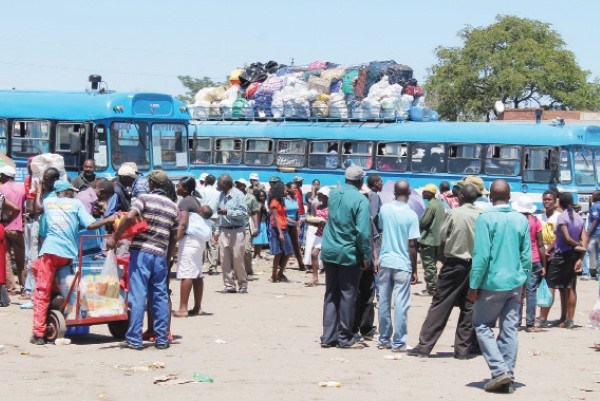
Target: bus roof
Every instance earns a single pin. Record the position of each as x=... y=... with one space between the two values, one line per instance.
x=89 y=105
x=518 y=134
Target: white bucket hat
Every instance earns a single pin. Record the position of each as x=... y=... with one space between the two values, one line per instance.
x=524 y=205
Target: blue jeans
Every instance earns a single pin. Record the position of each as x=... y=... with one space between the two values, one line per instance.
x=396 y=282
x=531 y=291
x=499 y=353
x=592 y=254
x=148 y=279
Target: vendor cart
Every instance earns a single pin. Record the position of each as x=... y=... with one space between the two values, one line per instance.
x=80 y=300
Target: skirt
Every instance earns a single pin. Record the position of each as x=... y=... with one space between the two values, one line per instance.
x=190 y=251
x=276 y=246
x=261 y=238
x=561 y=273
x=310 y=239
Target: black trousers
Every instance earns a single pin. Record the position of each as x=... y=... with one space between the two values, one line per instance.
x=365 y=306
x=452 y=288
x=339 y=305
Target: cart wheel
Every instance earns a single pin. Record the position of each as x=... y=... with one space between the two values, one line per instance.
x=57 y=327
x=119 y=328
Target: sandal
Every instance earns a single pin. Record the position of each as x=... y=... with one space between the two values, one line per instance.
x=192 y=312
x=567 y=324
x=177 y=313
x=311 y=284
x=282 y=278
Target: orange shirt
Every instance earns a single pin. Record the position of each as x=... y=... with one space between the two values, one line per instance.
x=274 y=204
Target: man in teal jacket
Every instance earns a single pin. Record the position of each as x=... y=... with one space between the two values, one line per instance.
x=501 y=269
x=346 y=249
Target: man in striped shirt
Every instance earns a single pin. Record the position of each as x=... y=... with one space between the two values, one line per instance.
x=150 y=252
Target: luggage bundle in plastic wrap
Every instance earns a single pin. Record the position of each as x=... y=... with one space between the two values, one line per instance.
x=379 y=90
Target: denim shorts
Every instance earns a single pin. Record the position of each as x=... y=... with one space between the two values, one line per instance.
x=276 y=246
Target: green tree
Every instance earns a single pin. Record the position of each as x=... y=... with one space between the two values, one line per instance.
x=193 y=85
x=515 y=60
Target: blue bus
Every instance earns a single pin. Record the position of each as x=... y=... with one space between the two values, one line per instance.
x=532 y=157
x=147 y=128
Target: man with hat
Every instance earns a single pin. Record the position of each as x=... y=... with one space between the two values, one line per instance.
x=151 y=253
x=140 y=185
x=202 y=179
x=14 y=230
x=251 y=226
x=482 y=201
x=430 y=224
x=64 y=216
x=121 y=200
x=346 y=250
x=255 y=183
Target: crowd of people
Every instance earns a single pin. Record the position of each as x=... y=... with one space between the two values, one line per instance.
x=493 y=253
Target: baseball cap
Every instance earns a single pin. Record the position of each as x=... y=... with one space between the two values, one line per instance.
x=324 y=190
x=127 y=171
x=477 y=182
x=8 y=171
x=63 y=185
x=133 y=166
x=203 y=176
x=354 y=173
x=254 y=176
x=159 y=177
x=242 y=181
x=274 y=179
x=430 y=188
x=298 y=178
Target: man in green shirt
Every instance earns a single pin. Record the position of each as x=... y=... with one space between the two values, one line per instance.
x=501 y=268
x=346 y=249
x=251 y=226
x=457 y=237
x=430 y=224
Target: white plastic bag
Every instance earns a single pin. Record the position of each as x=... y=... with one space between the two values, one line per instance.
x=108 y=284
x=199 y=227
x=595 y=315
x=337 y=106
x=40 y=163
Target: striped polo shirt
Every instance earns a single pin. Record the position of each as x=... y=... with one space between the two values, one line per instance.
x=161 y=214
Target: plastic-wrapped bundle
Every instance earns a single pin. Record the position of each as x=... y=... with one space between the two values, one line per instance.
x=348 y=81
x=227 y=107
x=420 y=113
x=296 y=108
x=336 y=86
x=262 y=105
x=369 y=109
x=376 y=70
x=389 y=107
x=399 y=74
x=320 y=109
x=256 y=72
x=199 y=110
x=377 y=91
x=337 y=106
x=238 y=109
x=273 y=84
x=216 y=94
x=333 y=74
x=321 y=85
x=215 y=110
x=317 y=65
x=284 y=71
x=293 y=101
x=40 y=163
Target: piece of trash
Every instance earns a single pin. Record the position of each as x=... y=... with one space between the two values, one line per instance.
x=157 y=365
x=24 y=353
x=330 y=383
x=102 y=396
x=165 y=378
x=393 y=357
x=219 y=341
x=535 y=353
x=138 y=369
x=587 y=390
x=201 y=377
x=342 y=360
x=62 y=341
x=2 y=349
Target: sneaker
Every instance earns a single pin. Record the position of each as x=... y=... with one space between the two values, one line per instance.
x=243 y=290
x=128 y=345
x=35 y=340
x=399 y=349
x=26 y=305
x=584 y=278
x=384 y=346
x=370 y=335
x=162 y=346
x=228 y=291
x=496 y=383
x=416 y=352
x=424 y=293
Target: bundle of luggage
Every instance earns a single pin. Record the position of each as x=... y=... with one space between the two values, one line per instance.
x=382 y=90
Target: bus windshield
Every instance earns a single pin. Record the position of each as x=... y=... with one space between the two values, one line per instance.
x=583 y=158
x=169 y=143
x=129 y=142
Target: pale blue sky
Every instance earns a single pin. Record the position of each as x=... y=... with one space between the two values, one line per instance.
x=143 y=45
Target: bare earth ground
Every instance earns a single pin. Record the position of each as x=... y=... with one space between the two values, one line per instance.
x=271 y=352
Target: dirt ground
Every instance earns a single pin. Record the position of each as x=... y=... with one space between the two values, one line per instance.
x=264 y=346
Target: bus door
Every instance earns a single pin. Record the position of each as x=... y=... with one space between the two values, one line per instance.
x=72 y=142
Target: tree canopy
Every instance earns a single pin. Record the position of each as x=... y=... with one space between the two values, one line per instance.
x=515 y=60
x=193 y=85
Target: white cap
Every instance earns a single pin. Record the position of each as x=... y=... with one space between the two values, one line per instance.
x=324 y=190
x=242 y=181
x=127 y=171
x=203 y=176
x=254 y=176
x=524 y=205
x=8 y=171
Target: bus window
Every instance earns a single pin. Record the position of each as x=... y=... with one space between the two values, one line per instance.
x=464 y=159
x=392 y=156
x=503 y=160
x=291 y=153
x=130 y=143
x=584 y=166
x=357 y=153
x=428 y=158
x=536 y=165
x=100 y=147
x=564 y=167
x=324 y=154
x=259 y=152
x=71 y=141
x=168 y=146
x=3 y=135
x=200 y=150
x=30 y=138
x=228 y=151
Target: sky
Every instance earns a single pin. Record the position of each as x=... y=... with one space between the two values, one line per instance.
x=144 y=45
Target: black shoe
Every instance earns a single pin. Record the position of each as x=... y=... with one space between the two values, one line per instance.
x=461 y=357
x=323 y=345
x=302 y=268
x=228 y=291
x=128 y=345
x=496 y=383
x=162 y=346
x=508 y=388
x=416 y=352
x=35 y=340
